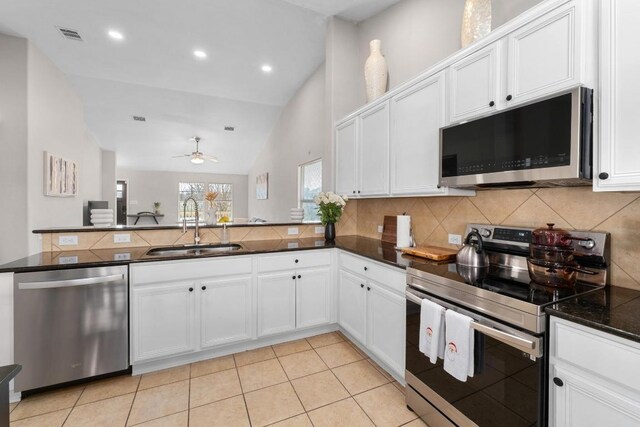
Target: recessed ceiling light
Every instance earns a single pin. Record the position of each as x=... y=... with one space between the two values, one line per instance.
x=116 y=35
x=200 y=54
x=267 y=68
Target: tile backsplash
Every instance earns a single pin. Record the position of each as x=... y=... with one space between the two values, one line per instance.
x=433 y=218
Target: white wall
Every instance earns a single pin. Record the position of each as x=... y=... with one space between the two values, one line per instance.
x=146 y=187
x=13 y=147
x=109 y=173
x=56 y=124
x=299 y=136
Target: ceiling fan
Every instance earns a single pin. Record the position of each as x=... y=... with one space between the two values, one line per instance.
x=198 y=157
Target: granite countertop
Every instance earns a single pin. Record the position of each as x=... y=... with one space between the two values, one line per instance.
x=613 y=309
x=367 y=247
x=90 y=228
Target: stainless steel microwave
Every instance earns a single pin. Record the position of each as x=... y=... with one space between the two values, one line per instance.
x=546 y=143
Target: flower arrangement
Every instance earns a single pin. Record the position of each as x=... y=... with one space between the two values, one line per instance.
x=210 y=197
x=156 y=207
x=330 y=206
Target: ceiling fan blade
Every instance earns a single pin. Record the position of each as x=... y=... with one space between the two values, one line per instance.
x=213 y=159
x=181 y=156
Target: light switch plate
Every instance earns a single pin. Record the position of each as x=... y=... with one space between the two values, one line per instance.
x=68 y=260
x=319 y=230
x=122 y=257
x=292 y=231
x=455 y=239
x=67 y=240
x=122 y=238
x=380 y=229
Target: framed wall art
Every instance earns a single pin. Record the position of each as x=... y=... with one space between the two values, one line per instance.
x=60 y=176
x=262 y=186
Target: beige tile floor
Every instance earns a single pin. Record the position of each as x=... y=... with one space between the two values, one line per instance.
x=320 y=381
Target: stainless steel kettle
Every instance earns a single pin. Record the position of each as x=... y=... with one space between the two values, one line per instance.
x=472 y=255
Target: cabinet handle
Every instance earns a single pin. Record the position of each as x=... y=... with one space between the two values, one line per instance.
x=299 y=276
x=603 y=175
x=190 y=289
x=557 y=381
x=491 y=104
x=204 y=288
x=296 y=261
x=509 y=97
x=368 y=288
x=361 y=285
x=354 y=191
x=293 y=277
x=365 y=269
x=358 y=191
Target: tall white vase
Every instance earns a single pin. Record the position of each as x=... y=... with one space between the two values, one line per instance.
x=476 y=21
x=375 y=72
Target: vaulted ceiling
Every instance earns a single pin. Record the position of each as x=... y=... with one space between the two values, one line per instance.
x=152 y=71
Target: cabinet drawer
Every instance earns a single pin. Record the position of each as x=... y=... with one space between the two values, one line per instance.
x=293 y=260
x=605 y=355
x=165 y=271
x=392 y=278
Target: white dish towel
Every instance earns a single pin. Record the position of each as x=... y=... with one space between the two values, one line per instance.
x=458 y=359
x=431 y=341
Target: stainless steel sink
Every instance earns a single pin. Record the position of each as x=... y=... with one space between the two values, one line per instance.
x=192 y=250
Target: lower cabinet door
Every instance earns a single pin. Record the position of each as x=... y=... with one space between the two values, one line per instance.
x=589 y=401
x=225 y=310
x=352 y=304
x=386 y=326
x=276 y=303
x=163 y=320
x=312 y=297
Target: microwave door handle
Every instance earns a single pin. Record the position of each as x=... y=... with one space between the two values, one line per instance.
x=70 y=282
x=504 y=337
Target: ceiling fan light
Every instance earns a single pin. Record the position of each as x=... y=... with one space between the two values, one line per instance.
x=197 y=160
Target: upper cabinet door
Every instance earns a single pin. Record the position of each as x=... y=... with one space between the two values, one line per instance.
x=618 y=166
x=374 y=152
x=473 y=84
x=417 y=115
x=346 y=157
x=544 y=56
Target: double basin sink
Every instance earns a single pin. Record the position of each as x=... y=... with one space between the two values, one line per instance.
x=193 y=250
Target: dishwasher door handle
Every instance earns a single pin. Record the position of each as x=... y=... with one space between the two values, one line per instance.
x=67 y=283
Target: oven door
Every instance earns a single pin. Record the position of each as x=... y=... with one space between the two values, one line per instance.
x=507 y=389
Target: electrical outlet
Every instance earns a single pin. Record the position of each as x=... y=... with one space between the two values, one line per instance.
x=292 y=231
x=122 y=238
x=67 y=240
x=68 y=260
x=319 y=230
x=455 y=239
x=293 y=245
x=380 y=229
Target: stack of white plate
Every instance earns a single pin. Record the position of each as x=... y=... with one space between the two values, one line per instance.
x=297 y=214
x=101 y=217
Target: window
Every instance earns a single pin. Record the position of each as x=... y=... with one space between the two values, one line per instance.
x=224 y=201
x=310 y=183
x=186 y=190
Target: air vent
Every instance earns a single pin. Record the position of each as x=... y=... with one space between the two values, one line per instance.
x=139 y=119
x=70 y=34
x=229 y=128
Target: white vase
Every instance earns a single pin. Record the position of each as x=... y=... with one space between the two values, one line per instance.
x=211 y=219
x=375 y=72
x=476 y=21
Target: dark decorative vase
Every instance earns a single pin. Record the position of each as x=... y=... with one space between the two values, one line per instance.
x=330 y=232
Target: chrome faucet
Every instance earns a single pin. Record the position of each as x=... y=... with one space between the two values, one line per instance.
x=196 y=234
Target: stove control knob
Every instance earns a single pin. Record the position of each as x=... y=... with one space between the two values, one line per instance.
x=485 y=232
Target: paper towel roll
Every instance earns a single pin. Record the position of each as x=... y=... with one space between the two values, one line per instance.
x=403 y=231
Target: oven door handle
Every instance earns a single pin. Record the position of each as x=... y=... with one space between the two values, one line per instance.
x=513 y=340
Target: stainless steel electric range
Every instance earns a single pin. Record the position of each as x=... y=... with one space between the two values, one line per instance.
x=509 y=387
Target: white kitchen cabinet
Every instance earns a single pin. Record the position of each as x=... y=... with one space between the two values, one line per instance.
x=372 y=308
x=473 y=84
x=544 y=56
x=162 y=320
x=593 y=377
x=362 y=154
x=618 y=168
x=417 y=115
x=298 y=296
x=352 y=304
x=373 y=149
x=313 y=306
x=225 y=311
x=347 y=157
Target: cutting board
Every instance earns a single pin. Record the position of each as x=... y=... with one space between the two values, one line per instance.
x=434 y=253
x=389 y=230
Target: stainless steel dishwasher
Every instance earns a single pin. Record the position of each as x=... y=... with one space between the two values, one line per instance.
x=70 y=324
